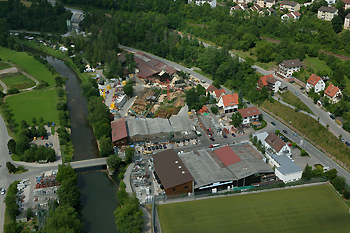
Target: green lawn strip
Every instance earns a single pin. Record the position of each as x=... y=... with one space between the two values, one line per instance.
x=291 y=99
x=4 y=65
x=312 y=129
x=203 y=73
x=246 y=55
x=28 y=64
x=27 y=105
x=307 y=209
x=316 y=64
x=18 y=81
x=15 y=157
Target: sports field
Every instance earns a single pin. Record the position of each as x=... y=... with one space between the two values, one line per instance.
x=309 y=209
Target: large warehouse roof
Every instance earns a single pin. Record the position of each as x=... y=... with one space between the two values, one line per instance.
x=118 y=129
x=170 y=169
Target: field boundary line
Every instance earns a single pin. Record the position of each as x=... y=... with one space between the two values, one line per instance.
x=255 y=214
x=335 y=192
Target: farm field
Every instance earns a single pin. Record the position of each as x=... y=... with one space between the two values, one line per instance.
x=18 y=81
x=28 y=64
x=27 y=105
x=307 y=209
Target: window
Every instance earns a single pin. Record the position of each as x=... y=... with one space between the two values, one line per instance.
x=186 y=187
x=174 y=190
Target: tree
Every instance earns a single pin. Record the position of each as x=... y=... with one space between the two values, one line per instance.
x=216 y=84
x=338 y=183
x=106 y=146
x=277 y=132
x=236 y=119
x=30 y=213
x=42 y=131
x=130 y=62
x=12 y=227
x=34 y=121
x=337 y=23
x=41 y=120
x=129 y=154
x=346 y=194
x=191 y=98
x=11 y=168
x=307 y=172
x=114 y=161
x=200 y=90
x=63 y=219
x=65 y=172
x=11 y=145
x=128 y=90
x=331 y=174
x=103 y=130
x=214 y=109
x=68 y=193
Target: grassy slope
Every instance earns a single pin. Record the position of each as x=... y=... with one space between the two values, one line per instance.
x=314 y=130
x=18 y=81
x=28 y=64
x=291 y=99
x=310 y=209
x=27 y=105
x=4 y=65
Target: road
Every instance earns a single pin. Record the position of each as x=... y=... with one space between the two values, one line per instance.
x=307 y=146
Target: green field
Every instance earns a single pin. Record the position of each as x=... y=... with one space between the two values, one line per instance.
x=27 y=105
x=4 y=65
x=291 y=99
x=18 y=81
x=28 y=64
x=311 y=209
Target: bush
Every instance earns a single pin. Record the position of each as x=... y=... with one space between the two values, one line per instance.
x=346 y=194
x=12 y=91
x=11 y=168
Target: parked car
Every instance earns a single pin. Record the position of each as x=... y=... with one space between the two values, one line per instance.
x=285 y=131
x=273 y=123
x=347 y=143
x=212 y=138
x=295 y=134
x=164 y=146
x=50 y=144
x=225 y=136
x=153 y=148
x=234 y=135
x=342 y=139
x=331 y=116
x=10 y=152
x=157 y=147
x=46 y=145
x=2 y=191
x=160 y=147
x=149 y=148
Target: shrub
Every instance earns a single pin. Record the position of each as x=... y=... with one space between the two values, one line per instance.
x=12 y=91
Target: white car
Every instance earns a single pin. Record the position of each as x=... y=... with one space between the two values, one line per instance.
x=2 y=191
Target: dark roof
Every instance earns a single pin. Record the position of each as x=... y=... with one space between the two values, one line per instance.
x=275 y=142
x=118 y=129
x=227 y=156
x=170 y=169
x=271 y=80
x=292 y=63
x=270 y=0
x=289 y=3
x=247 y=112
x=211 y=88
x=348 y=15
x=346 y=1
x=328 y=9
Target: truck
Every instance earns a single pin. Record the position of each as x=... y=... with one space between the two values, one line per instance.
x=214 y=145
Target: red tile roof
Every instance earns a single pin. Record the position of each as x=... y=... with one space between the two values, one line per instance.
x=346 y=1
x=227 y=155
x=264 y=78
x=314 y=79
x=219 y=92
x=118 y=129
x=331 y=90
x=296 y=13
x=248 y=112
x=230 y=100
x=211 y=88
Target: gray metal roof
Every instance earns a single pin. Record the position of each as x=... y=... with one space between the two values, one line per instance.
x=136 y=126
x=204 y=169
x=180 y=123
x=287 y=165
x=158 y=125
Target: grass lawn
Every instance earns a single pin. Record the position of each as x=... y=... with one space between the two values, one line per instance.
x=246 y=55
x=309 y=209
x=4 y=65
x=316 y=64
x=312 y=129
x=291 y=99
x=203 y=73
x=28 y=64
x=27 y=105
x=19 y=81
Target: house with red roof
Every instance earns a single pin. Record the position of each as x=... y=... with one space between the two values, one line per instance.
x=210 y=89
x=275 y=145
x=119 y=132
x=218 y=93
x=269 y=82
x=315 y=82
x=229 y=103
x=249 y=115
x=333 y=93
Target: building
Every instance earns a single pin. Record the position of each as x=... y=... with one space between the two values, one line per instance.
x=243 y=1
x=293 y=15
x=330 y=2
x=287 y=68
x=256 y=8
x=333 y=93
x=212 y=3
x=285 y=169
x=240 y=6
x=266 y=3
x=346 y=4
x=315 y=82
x=219 y=93
x=327 y=13
x=210 y=89
x=226 y=168
x=269 y=82
x=275 y=145
x=289 y=5
x=119 y=132
x=347 y=21
x=229 y=103
x=249 y=115
x=172 y=173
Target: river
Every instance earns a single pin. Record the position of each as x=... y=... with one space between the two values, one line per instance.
x=98 y=192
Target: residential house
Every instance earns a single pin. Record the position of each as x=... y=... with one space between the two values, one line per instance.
x=249 y=115
x=287 y=68
x=256 y=8
x=347 y=21
x=293 y=15
x=266 y=3
x=285 y=168
x=243 y=1
x=333 y=93
x=229 y=103
x=269 y=82
x=275 y=145
x=346 y=4
x=218 y=93
x=240 y=6
x=210 y=89
x=212 y=3
x=327 y=13
x=315 y=82
x=289 y=5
